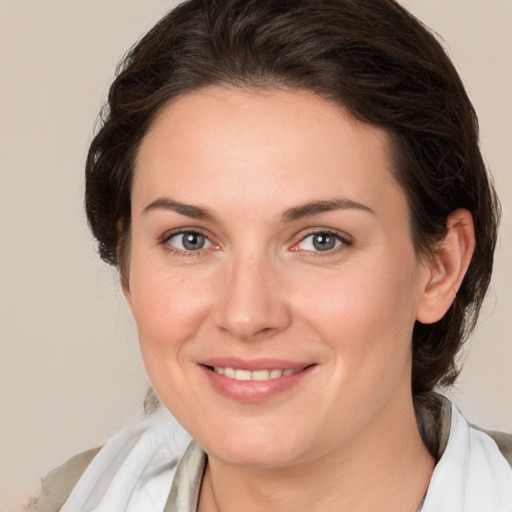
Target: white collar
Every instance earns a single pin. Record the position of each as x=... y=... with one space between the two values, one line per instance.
x=472 y=475
x=133 y=472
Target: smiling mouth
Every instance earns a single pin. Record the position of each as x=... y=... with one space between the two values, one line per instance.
x=254 y=381
x=258 y=375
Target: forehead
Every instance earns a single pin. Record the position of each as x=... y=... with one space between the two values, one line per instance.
x=259 y=146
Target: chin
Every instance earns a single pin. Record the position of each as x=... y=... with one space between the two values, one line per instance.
x=258 y=448
x=251 y=457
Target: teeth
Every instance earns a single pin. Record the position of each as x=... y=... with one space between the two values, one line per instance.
x=237 y=374
x=229 y=372
x=242 y=375
x=260 y=375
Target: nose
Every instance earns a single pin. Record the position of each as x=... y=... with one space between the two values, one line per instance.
x=251 y=303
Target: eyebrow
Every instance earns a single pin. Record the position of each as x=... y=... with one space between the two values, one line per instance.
x=293 y=214
x=195 y=212
x=316 y=207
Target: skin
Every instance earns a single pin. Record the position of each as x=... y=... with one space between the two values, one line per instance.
x=344 y=437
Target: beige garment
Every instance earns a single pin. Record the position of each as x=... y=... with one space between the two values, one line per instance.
x=58 y=484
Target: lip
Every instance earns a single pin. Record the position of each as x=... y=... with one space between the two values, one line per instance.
x=252 y=391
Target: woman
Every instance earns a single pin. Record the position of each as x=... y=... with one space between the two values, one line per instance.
x=304 y=228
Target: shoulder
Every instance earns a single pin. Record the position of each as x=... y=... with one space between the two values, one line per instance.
x=502 y=440
x=133 y=471
x=474 y=470
x=58 y=484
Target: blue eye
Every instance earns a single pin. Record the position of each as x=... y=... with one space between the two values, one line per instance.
x=189 y=241
x=321 y=241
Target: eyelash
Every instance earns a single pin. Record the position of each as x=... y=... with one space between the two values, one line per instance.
x=344 y=240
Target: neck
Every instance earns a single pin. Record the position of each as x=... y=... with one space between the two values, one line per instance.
x=385 y=467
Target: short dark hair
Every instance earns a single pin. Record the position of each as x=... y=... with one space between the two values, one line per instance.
x=370 y=56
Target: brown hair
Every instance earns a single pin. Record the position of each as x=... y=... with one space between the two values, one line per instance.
x=372 y=57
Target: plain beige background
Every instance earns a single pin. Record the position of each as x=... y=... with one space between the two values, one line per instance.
x=70 y=373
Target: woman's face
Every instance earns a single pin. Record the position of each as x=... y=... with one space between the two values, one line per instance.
x=271 y=242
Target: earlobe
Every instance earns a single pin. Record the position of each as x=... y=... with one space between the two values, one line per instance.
x=446 y=267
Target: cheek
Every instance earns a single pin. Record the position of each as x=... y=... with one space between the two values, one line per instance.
x=168 y=307
x=366 y=312
x=169 y=311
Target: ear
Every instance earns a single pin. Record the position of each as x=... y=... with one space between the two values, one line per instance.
x=446 y=267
